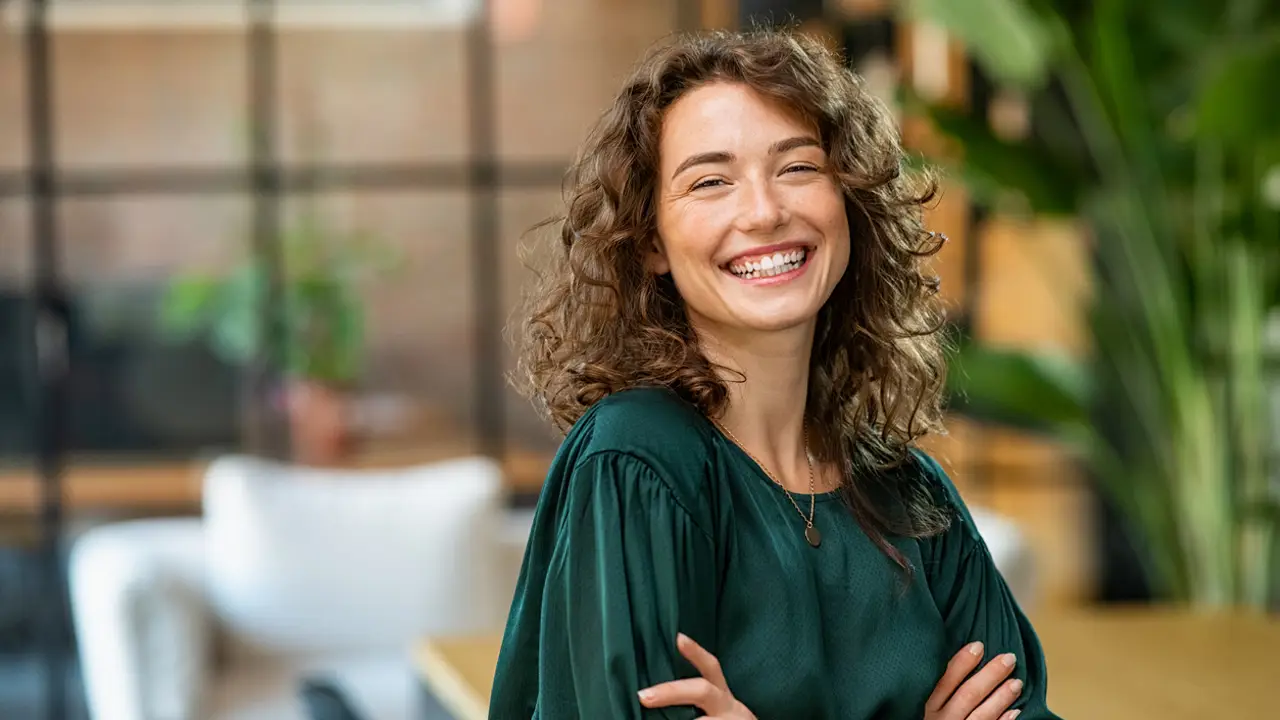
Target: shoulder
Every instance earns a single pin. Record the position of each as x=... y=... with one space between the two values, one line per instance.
x=929 y=473
x=962 y=534
x=655 y=429
x=653 y=423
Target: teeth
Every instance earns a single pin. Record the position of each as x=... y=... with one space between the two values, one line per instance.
x=770 y=265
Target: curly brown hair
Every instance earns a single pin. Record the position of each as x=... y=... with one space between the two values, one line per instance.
x=600 y=322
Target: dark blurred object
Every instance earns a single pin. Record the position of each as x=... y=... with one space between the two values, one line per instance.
x=130 y=392
x=17 y=404
x=863 y=37
x=762 y=13
x=324 y=701
x=1155 y=125
x=1122 y=576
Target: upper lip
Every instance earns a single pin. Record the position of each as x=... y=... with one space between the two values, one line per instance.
x=767 y=250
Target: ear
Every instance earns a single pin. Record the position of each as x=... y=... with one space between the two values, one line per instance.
x=656 y=259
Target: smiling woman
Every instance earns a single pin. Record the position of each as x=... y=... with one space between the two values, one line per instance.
x=737 y=334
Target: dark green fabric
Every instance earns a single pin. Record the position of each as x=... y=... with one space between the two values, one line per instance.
x=651 y=523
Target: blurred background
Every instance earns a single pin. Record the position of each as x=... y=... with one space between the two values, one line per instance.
x=257 y=258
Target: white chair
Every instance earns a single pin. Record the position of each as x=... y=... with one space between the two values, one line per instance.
x=292 y=572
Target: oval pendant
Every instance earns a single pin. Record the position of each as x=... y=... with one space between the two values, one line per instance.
x=813 y=536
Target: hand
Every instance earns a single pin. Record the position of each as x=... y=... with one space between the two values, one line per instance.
x=710 y=693
x=978 y=698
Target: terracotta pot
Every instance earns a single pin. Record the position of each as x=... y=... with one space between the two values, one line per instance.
x=318 y=423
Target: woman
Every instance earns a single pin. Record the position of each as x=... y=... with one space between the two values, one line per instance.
x=739 y=337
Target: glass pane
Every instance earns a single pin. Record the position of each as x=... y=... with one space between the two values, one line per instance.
x=138 y=99
x=13 y=102
x=556 y=75
x=373 y=96
x=140 y=394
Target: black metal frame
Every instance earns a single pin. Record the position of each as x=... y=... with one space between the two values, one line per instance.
x=269 y=181
x=49 y=353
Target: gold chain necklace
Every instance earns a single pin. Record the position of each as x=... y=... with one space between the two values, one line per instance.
x=811 y=533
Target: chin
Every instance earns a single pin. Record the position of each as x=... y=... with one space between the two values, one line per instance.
x=776 y=320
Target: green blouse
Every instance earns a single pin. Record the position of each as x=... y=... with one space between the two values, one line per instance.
x=651 y=522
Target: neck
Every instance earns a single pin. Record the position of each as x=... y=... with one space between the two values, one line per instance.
x=766 y=411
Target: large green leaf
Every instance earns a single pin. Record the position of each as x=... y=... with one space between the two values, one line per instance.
x=1006 y=37
x=1240 y=103
x=1038 y=392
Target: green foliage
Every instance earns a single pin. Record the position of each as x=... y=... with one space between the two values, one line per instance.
x=322 y=312
x=1158 y=123
x=1041 y=392
x=1020 y=53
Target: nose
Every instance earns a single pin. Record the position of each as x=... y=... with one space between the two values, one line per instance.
x=762 y=210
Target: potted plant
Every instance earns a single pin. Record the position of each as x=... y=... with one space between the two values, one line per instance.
x=320 y=351
x=1156 y=127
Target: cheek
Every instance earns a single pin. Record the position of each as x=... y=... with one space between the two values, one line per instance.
x=835 y=223
x=840 y=232
x=689 y=238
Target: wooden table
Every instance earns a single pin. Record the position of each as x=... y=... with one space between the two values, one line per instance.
x=169 y=485
x=1103 y=665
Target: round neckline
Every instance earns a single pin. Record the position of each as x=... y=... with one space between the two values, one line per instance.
x=763 y=476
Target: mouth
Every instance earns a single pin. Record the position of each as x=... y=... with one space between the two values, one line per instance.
x=776 y=265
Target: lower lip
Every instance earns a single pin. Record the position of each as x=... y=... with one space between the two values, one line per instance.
x=787 y=276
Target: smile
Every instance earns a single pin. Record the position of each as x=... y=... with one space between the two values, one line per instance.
x=772 y=265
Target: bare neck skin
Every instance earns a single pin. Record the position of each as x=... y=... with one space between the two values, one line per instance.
x=766 y=411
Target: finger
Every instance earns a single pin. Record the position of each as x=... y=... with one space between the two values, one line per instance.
x=999 y=701
x=1011 y=715
x=976 y=689
x=706 y=663
x=958 y=668
x=698 y=692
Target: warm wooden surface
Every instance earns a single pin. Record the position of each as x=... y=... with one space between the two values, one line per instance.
x=1162 y=664
x=168 y=485
x=162 y=485
x=459 y=672
x=1103 y=665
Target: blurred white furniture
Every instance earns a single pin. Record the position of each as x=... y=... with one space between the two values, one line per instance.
x=291 y=572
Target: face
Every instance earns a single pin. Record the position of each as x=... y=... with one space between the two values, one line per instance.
x=751 y=225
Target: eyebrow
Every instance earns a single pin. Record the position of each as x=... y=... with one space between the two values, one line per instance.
x=720 y=156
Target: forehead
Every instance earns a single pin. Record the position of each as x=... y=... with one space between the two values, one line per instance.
x=727 y=116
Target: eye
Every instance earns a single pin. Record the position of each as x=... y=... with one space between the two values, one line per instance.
x=709 y=182
x=800 y=168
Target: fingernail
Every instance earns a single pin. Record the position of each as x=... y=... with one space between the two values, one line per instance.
x=975 y=648
x=645 y=695
x=1016 y=686
x=1013 y=715
x=681 y=637
x=1008 y=659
